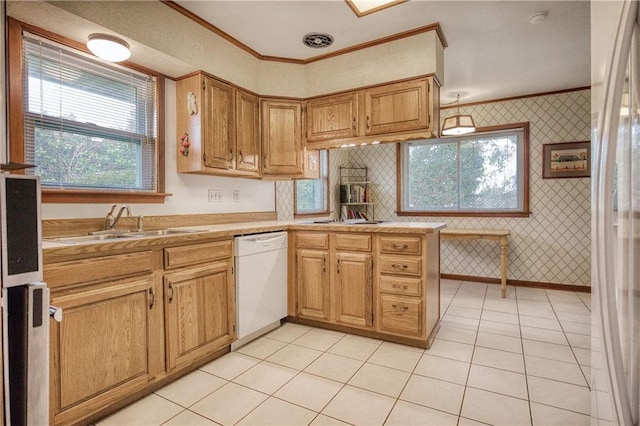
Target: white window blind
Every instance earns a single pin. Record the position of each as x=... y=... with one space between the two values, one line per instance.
x=88 y=124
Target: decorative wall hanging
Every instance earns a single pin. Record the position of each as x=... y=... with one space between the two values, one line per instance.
x=184 y=144
x=192 y=104
x=566 y=160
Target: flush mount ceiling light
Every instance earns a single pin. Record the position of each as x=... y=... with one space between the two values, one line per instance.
x=538 y=17
x=365 y=7
x=108 y=47
x=458 y=124
x=317 y=40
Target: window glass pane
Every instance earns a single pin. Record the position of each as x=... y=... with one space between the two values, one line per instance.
x=68 y=159
x=88 y=124
x=480 y=172
x=433 y=176
x=488 y=173
x=312 y=194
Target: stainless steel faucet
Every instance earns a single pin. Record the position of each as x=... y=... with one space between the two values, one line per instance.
x=110 y=221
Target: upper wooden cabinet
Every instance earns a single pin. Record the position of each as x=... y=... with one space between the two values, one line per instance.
x=397 y=107
x=221 y=124
x=283 y=153
x=394 y=112
x=332 y=117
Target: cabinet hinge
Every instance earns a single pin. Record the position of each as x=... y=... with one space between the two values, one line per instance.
x=234 y=328
x=204 y=85
x=232 y=270
x=204 y=158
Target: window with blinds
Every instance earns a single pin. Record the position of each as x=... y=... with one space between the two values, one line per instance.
x=87 y=124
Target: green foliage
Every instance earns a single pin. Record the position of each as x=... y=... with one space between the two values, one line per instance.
x=471 y=174
x=77 y=160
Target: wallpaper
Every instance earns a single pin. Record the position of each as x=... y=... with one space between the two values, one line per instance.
x=552 y=245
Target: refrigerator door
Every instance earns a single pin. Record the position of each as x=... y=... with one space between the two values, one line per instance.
x=26 y=331
x=615 y=373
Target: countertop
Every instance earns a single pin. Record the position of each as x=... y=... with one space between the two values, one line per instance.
x=54 y=249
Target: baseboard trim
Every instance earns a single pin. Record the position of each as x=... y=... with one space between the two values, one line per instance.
x=519 y=283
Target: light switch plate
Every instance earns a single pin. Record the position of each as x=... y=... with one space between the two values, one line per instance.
x=236 y=195
x=215 y=195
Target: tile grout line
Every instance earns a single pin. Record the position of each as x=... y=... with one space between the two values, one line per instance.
x=473 y=351
x=524 y=359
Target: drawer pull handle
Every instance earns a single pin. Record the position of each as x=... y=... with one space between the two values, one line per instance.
x=404 y=308
x=402 y=287
x=170 y=292
x=400 y=246
x=396 y=266
x=152 y=297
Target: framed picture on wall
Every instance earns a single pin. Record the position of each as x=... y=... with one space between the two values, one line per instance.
x=566 y=160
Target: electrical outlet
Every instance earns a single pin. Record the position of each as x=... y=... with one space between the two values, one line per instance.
x=236 y=195
x=215 y=195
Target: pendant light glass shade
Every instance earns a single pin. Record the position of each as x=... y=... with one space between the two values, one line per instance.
x=108 y=47
x=458 y=124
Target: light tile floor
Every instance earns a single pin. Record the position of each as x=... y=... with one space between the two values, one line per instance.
x=522 y=360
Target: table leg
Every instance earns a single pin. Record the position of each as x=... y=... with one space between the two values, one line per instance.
x=503 y=265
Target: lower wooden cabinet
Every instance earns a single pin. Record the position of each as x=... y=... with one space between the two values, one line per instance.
x=313 y=296
x=354 y=289
x=401 y=315
x=200 y=312
x=109 y=345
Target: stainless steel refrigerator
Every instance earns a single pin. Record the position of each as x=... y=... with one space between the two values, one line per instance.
x=25 y=303
x=615 y=355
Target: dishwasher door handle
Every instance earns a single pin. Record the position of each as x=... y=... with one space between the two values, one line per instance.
x=268 y=240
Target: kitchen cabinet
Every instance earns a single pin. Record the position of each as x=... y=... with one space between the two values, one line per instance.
x=200 y=308
x=220 y=122
x=199 y=301
x=381 y=285
x=334 y=278
x=332 y=117
x=408 y=288
x=109 y=345
x=313 y=284
x=391 y=112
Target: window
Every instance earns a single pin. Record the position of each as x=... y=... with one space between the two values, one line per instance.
x=311 y=196
x=485 y=173
x=90 y=127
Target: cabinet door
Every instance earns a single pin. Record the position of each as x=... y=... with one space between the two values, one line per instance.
x=218 y=126
x=332 y=117
x=313 y=284
x=108 y=345
x=247 y=133
x=353 y=296
x=200 y=306
x=281 y=137
x=397 y=107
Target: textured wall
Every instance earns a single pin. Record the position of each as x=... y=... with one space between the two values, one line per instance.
x=553 y=244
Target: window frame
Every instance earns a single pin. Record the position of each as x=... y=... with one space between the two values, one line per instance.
x=16 y=124
x=525 y=212
x=327 y=211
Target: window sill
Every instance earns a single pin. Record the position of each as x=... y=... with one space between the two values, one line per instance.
x=310 y=215
x=88 y=197
x=464 y=214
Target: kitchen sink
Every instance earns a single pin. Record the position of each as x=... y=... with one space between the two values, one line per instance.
x=110 y=236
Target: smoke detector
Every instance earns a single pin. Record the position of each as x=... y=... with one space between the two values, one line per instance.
x=538 y=17
x=317 y=40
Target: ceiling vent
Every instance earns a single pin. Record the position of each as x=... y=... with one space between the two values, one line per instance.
x=317 y=40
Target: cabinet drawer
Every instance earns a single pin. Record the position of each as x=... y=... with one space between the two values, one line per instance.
x=353 y=242
x=400 y=285
x=175 y=257
x=397 y=265
x=98 y=269
x=401 y=315
x=409 y=245
x=312 y=240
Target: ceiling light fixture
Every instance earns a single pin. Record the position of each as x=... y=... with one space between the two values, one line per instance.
x=365 y=7
x=458 y=124
x=108 y=47
x=317 y=40
x=538 y=17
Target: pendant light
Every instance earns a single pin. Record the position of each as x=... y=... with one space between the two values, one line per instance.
x=458 y=124
x=108 y=47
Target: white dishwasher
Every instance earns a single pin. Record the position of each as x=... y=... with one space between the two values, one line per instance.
x=261 y=284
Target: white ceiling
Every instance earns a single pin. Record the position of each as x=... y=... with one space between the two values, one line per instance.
x=494 y=52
